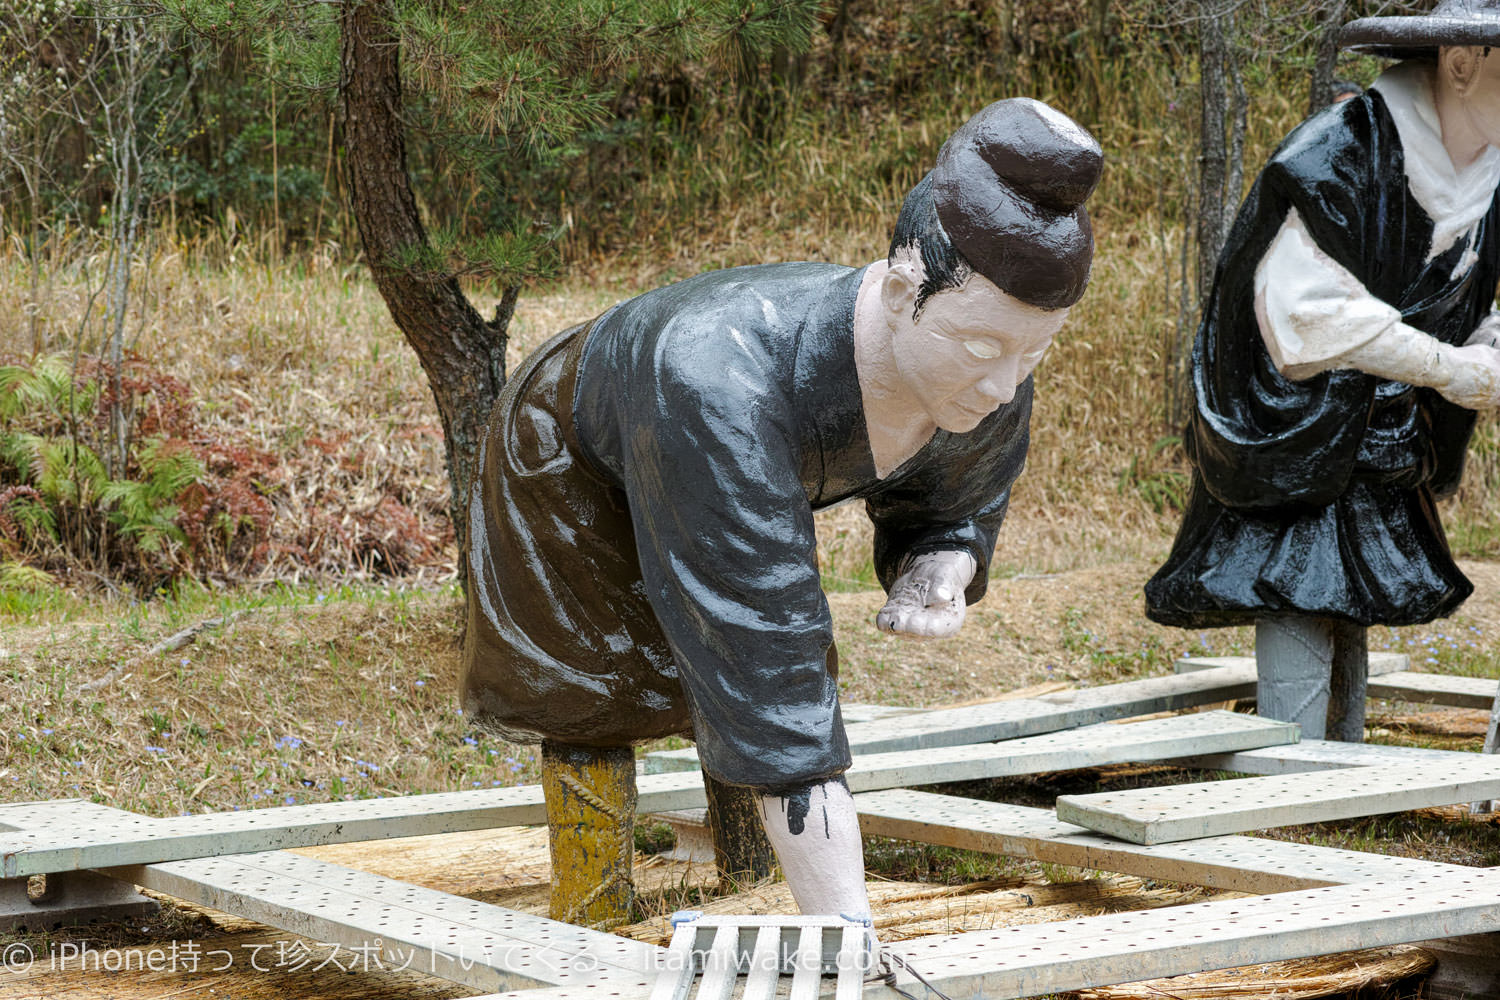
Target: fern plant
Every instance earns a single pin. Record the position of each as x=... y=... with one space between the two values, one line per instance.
x=59 y=505
x=144 y=509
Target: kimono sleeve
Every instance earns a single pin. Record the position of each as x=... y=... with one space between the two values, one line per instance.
x=727 y=551
x=958 y=497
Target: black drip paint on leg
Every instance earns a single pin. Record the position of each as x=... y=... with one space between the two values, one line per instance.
x=798 y=803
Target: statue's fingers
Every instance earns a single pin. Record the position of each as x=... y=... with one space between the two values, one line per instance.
x=890 y=617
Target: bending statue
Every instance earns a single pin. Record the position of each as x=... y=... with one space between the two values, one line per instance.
x=642 y=557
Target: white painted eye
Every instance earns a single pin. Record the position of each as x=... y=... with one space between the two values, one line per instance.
x=986 y=350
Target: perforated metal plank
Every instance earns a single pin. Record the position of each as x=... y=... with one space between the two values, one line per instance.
x=1185 y=812
x=1391 y=677
x=1491 y=745
x=1039 y=959
x=1492 y=737
x=1243 y=864
x=403 y=925
x=406 y=926
x=765 y=965
x=721 y=946
x=1087 y=747
x=853 y=711
x=132 y=839
x=1116 y=948
x=70 y=898
x=1322 y=755
x=1008 y=720
x=1434 y=689
x=1380 y=663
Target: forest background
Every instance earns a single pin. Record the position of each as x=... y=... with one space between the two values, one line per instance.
x=208 y=415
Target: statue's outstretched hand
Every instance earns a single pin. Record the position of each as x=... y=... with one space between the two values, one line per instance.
x=927 y=600
x=1474 y=381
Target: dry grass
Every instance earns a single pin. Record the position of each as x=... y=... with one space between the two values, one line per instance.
x=1297 y=979
x=305 y=700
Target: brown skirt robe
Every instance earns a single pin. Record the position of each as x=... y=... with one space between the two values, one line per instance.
x=561 y=641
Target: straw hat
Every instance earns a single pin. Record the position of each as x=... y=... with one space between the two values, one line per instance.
x=1451 y=22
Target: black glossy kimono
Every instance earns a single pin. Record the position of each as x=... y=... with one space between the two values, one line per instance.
x=1316 y=497
x=642 y=553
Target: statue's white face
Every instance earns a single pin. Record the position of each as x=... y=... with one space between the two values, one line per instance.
x=965 y=353
x=1481 y=97
x=1485 y=100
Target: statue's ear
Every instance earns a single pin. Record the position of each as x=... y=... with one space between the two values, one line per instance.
x=898 y=288
x=1460 y=66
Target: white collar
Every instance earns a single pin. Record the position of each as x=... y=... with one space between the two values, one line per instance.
x=1455 y=199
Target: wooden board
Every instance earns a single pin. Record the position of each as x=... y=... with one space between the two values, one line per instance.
x=141 y=840
x=1242 y=864
x=1185 y=812
x=1035 y=960
x=1017 y=718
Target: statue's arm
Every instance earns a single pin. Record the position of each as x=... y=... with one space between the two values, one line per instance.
x=725 y=540
x=935 y=531
x=1315 y=316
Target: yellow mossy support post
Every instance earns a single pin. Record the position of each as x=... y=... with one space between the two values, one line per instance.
x=590 y=795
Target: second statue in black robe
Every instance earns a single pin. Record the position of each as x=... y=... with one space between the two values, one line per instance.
x=1317 y=497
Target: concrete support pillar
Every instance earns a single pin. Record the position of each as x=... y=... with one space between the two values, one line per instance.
x=741 y=850
x=1312 y=671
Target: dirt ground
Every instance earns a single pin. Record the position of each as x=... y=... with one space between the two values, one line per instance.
x=1078 y=627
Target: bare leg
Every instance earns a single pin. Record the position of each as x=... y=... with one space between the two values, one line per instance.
x=590 y=794
x=815 y=831
x=1347 y=683
x=1293 y=660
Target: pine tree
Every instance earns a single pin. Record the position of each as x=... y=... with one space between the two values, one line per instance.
x=505 y=85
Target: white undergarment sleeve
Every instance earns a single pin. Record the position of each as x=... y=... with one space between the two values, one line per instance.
x=1315 y=316
x=1310 y=309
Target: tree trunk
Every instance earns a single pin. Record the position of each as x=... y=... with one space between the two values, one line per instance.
x=462 y=354
x=1320 y=90
x=1214 y=58
x=1223 y=105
